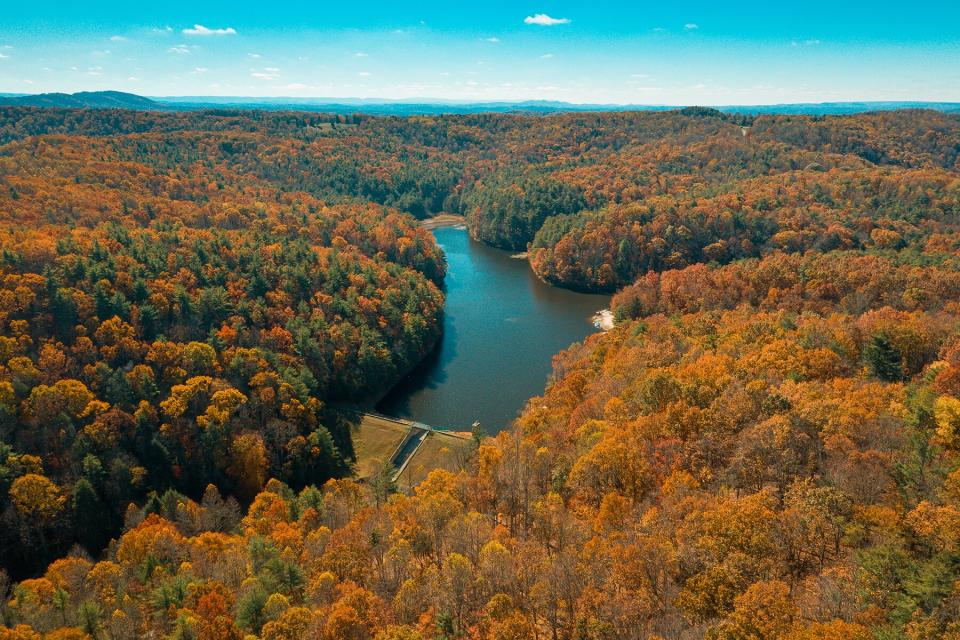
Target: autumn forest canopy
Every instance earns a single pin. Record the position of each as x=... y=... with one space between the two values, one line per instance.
x=765 y=446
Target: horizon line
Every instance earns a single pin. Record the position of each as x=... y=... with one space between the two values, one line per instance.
x=428 y=100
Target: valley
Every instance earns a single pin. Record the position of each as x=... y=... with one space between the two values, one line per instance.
x=242 y=353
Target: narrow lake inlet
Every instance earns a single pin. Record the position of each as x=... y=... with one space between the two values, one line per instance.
x=501 y=330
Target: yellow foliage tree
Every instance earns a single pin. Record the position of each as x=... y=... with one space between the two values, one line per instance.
x=37 y=497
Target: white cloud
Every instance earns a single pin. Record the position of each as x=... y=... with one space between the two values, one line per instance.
x=544 y=20
x=364 y=74
x=199 y=70
x=181 y=49
x=270 y=73
x=133 y=79
x=360 y=54
x=546 y=56
x=296 y=86
x=162 y=30
x=117 y=39
x=493 y=40
x=95 y=71
x=104 y=52
x=4 y=57
x=200 y=30
x=690 y=26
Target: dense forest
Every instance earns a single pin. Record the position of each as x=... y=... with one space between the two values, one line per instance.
x=170 y=323
x=766 y=446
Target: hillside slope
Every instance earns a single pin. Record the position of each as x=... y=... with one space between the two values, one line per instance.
x=765 y=446
x=83 y=100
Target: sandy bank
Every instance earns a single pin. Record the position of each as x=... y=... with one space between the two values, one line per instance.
x=443 y=220
x=603 y=319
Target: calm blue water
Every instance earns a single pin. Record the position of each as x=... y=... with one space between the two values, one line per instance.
x=501 y=329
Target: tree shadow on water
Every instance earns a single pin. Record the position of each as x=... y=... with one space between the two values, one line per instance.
x=429 y=374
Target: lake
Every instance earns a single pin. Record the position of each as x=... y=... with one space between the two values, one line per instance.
x=501 y=329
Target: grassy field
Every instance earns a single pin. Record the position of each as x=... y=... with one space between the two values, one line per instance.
x=374 y=441
x=438 y=451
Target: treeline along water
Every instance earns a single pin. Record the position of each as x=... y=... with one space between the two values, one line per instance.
x=501 y=330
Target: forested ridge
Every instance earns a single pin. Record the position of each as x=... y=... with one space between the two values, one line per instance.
x=766 y=446
x=170 y=322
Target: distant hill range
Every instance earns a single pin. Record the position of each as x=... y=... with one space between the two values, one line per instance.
x=421 y=106
x=83 y=100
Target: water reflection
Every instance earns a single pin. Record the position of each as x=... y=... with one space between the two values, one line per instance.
x=501 y=329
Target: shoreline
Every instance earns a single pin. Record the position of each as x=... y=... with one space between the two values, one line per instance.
x=603 y=320
x=443 y=220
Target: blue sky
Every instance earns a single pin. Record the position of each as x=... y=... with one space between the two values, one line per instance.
x=632 y=52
